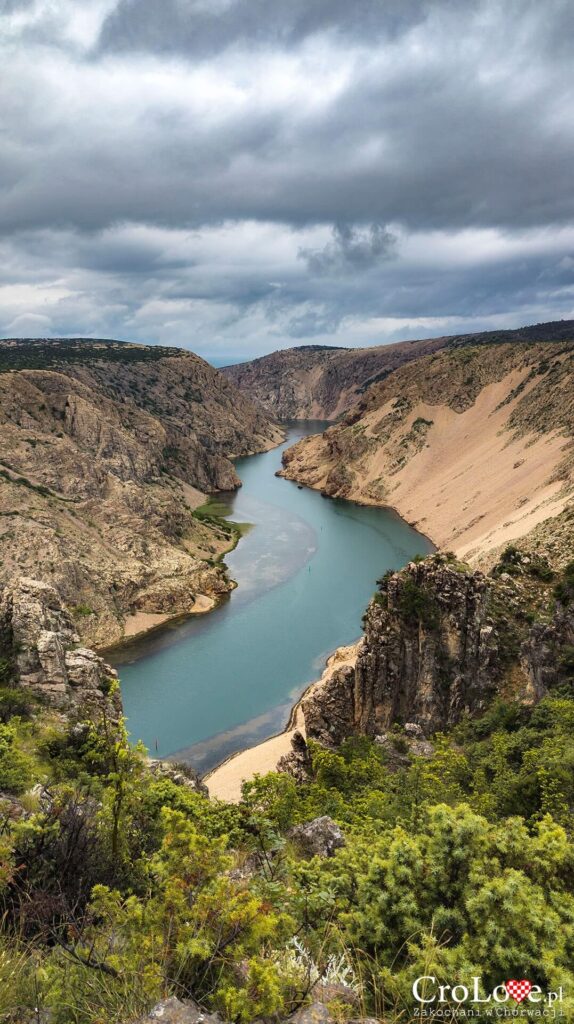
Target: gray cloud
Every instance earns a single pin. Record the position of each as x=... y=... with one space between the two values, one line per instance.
x=202 y=29
x=350 y=249
x=245 y=172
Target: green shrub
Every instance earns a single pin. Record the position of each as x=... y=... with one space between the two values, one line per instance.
x=16 y=767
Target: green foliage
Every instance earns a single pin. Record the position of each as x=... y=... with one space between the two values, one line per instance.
x=16 y=767
x=41 y=354
x=416 y=604
x=564 y=589
x=517 y=563
x=122 y=887
x=567 y=659
x=82 y=611
x=14 y=702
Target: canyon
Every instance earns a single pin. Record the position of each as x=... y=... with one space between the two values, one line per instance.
x=108 y=449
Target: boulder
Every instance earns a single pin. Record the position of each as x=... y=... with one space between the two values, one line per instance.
x=41 y=637
x=173 y=1011
x=318 y=838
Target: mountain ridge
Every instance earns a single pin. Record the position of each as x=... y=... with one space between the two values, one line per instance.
x=323 y=382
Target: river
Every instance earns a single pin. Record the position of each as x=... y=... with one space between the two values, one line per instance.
x=213 y=684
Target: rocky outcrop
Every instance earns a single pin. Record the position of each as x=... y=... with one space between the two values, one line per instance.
x=173 y=1011
x=105 y=450
x=39 y=638
x=440 y=642
x=180 y=774
x=320 y=837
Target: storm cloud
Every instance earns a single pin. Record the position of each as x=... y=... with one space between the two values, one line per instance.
x=240 y=175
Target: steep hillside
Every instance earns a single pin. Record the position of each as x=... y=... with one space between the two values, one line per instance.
x=473 y=444
x=318 y=382
x=106 y=448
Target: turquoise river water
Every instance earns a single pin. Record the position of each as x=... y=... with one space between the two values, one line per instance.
x=220 y=682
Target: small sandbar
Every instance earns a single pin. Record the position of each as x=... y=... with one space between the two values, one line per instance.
x=142 y=622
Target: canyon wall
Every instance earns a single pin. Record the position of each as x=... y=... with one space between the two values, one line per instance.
x=321 y=382
x=473 y=445
x=105 y=451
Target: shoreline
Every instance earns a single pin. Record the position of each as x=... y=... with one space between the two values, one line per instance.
x=195 y=500
x=164 y=621
x=224 y=782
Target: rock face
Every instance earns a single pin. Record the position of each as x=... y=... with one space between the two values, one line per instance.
x=319 y=382
x=173 y=1011
x=105 y=449
x=39 y=637
x=440 y=642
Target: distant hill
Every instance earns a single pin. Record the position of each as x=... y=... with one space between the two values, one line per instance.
x=318 y=382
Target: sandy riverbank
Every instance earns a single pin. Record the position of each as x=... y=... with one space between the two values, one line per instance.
x=225 y=781
x=142 y=622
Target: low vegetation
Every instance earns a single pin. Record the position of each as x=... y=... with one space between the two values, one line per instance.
x=42 y=354
x=118 y=887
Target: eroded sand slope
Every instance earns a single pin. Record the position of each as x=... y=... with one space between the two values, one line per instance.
x=475 y=457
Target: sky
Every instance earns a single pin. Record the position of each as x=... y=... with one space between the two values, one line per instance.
x=238 y=176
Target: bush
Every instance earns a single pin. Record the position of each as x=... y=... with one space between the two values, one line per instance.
x=14 y=702
x=16 y=767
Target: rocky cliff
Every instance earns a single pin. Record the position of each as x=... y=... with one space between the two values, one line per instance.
x=441 y=641
x=320 y=382
x=106 y=449
x=473 y=444
x=40 y=652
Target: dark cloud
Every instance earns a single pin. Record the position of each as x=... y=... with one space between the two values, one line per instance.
x=201 y=29
x=261 y=170
x=350 y=249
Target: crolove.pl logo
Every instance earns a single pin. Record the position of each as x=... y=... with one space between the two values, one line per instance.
x=515 y=997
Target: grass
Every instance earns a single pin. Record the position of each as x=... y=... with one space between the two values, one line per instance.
x=213 y=513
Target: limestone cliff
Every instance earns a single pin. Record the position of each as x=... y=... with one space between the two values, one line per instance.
x=321 y=382
x=41 y=653
x=105 y=450
x=473 y=444
x=440 y=642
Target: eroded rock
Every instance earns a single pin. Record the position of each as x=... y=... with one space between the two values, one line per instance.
x=173 y=1011
x=318 y=838
x=47 y=661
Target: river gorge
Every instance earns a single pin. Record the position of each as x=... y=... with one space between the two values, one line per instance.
x=206 y=687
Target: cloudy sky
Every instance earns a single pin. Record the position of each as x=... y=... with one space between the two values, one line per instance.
x=238 y=176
